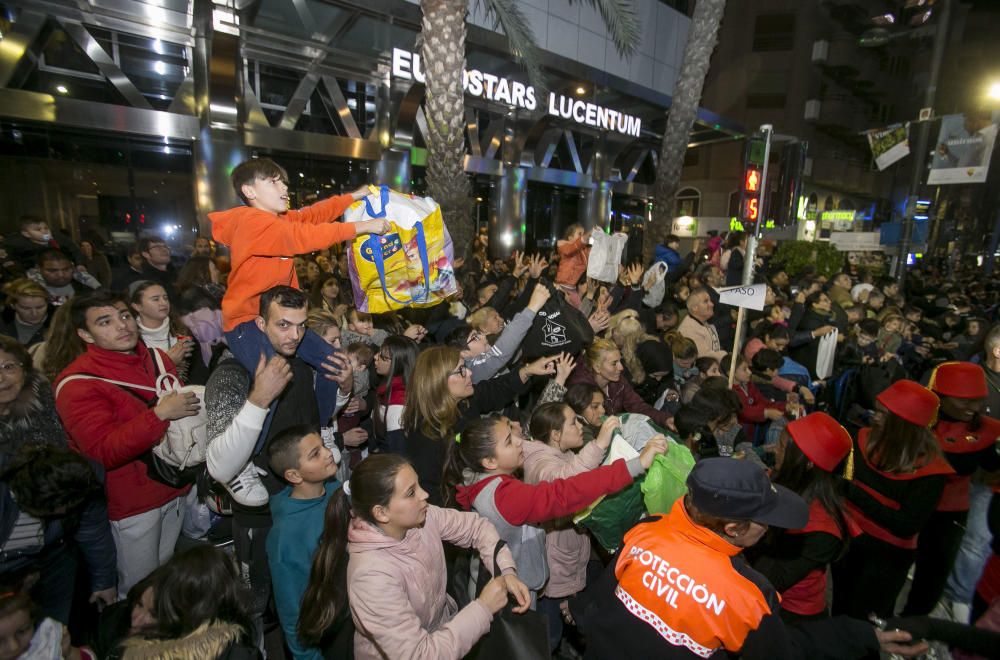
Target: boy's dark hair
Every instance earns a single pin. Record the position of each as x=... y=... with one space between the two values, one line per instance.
x=284 y=296
x=48 y=480
x=765 y=359
x=671 y=238
x=26 y=221
x=283 y=450
x=869 y=327
x=459 y=337
x=80 y=304
x=255 y=169
x=149 y=241
x=51 y=255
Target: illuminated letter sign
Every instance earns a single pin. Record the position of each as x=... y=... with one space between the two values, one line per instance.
x=407 y=66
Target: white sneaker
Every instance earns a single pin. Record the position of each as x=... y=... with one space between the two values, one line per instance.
x=247 y=488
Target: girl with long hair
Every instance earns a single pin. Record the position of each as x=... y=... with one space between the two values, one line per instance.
x=394 y=364
x=479 y=476
x=559 y=451
x=200 y=610
x=812 y=455
x=603 y=367
x=381 y=552
x=325 y=294
x=441 y=401
x=61 y=346
x=158 y=326
x=899 y=476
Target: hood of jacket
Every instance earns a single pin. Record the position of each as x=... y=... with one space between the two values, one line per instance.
x=225 y=223
x=466 y=493
x=207 y=641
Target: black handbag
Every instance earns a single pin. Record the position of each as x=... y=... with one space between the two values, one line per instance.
x=558 y=327
x=512 y=636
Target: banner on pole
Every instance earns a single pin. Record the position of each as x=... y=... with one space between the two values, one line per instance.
x=889 y=144
x=751 y=297
x=964 y=147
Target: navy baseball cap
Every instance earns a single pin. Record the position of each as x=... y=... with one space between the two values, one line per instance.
x=740 y=490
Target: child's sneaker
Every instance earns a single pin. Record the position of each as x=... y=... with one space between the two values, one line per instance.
x=247 y=488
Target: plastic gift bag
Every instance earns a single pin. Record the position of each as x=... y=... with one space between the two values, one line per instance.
x=609 y=517
x=605 y=255
x=825 y=355
x=409 y=266
x=666 y=478
x=655 y=281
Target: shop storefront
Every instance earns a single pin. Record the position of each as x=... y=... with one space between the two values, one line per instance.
x=188 y=88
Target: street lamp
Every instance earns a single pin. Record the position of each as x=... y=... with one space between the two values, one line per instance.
x=993 y=92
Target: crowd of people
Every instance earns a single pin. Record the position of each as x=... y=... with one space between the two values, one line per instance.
x=388 y=486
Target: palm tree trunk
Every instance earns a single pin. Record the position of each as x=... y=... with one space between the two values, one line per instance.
x=680 y=118
x=443 y=56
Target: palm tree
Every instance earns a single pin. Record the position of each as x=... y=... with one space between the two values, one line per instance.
x=680 y=117
x=443 y=57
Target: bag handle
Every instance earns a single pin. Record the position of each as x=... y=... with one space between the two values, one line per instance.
x=496 y=554
x=166 y=382
x=384 y=194
x=106 y=380
x=380 y=266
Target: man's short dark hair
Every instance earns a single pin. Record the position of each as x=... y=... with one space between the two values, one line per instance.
x=255 y=169
x=26 y=221
x=148 y=242
x=671 y=238
x=80 y=304
x=51 y=255
x=284 y=296
x=49 y=480
x=283 y=450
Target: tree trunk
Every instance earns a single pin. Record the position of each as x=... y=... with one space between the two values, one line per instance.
x=443 y=57
x=680 y=118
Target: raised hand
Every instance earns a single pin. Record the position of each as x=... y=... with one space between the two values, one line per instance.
x=537 y=265
x=564 y=367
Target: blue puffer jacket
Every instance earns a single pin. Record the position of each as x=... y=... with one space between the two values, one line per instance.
x=668 y=256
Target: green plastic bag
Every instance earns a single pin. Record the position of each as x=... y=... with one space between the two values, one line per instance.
x=666 y=479
x=615 y=515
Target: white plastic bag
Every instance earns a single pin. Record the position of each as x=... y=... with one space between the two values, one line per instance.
x=654 y=281
x=825 y=354
x=605 y=255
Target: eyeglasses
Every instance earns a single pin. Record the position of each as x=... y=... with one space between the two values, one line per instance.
x=10 y=368
x=462 y=371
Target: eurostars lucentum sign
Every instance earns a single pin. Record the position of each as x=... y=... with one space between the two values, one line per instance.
x=481 y=84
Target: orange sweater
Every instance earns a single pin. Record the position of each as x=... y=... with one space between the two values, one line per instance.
x=262 y=246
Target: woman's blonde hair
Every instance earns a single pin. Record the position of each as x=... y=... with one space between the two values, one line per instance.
x=430 y=408
x=681 y=347
x=24 y=288
x=319 y=320
x=616 y=319
x=632 y=333
x=597 y=350
x=478 y=318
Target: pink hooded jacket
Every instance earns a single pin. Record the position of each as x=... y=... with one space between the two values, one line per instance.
x=397 y=588
x=566 y=549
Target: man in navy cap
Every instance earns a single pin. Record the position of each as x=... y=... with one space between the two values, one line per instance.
x=680 y=588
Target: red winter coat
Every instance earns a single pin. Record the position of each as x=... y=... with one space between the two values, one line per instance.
x=115 y=426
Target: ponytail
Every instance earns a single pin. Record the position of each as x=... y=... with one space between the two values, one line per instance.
x=326 y=595
x=467 y=453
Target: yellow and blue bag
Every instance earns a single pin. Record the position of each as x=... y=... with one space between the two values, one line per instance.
x=408 y=266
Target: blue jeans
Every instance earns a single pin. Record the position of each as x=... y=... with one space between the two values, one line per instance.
x=974 y=551
x=247 y=343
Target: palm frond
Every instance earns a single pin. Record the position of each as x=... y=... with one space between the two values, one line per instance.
x=507 y=16
x=623 y=26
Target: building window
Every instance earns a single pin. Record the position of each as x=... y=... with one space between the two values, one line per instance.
x=734 y=203
x=688 y=202
x=690 y=158
x=773 y=33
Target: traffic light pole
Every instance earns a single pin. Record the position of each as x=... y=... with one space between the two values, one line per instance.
x=752 y=238
x=923 y=137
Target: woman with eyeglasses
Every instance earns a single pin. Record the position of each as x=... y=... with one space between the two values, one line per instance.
x=394 y=365
x=441 y=401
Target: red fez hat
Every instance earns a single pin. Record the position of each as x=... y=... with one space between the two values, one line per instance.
x=821 y=439
x=962 y=380
x=911 y=401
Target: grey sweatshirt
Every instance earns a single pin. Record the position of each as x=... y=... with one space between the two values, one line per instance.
x=487 y=365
